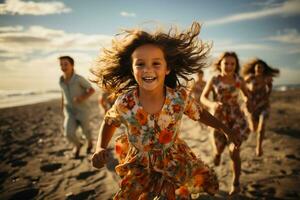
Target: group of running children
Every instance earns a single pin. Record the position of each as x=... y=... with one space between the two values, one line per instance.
x=145 y=77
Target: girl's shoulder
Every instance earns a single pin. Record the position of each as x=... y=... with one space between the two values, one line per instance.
x=215 y=79
x=78 y=77
x=249 y=77
x=179 y=92
x=125 y=98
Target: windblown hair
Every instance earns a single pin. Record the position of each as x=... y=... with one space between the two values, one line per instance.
x=217 y=64
x=249 y=68
x=184 y=53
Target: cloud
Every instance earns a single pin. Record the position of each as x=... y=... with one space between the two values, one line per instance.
x=221 y=45
x=18 y=7
x=5 y=29
x=290 y=36
x=40 y=39
x=287 y=8
x=28 y=56
x=127 y=14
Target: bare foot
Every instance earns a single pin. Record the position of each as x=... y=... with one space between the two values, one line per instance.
x=235 y=189
x=259 y=151
x=217 y=159
x=76 y=151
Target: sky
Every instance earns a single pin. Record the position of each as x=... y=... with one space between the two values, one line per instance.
x=33 y=34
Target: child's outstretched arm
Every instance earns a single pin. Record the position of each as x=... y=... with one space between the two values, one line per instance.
x=210 y=120
x=205 y=94
x=106 y=132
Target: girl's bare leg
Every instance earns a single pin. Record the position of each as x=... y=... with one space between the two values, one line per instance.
x=236 y=168
x=219 y=144
x=260 y=135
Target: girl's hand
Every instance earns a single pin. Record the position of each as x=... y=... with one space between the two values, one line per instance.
x=216 y=105
x=235 y=138
x=99 y=158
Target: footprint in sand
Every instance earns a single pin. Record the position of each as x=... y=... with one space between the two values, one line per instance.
x=25 y=194
x=51 y=167
x=3 y=176
x=254 y=189
x=82 y=195
x=269 y=192
x=292 y=157
x=85 y=175
x=59 y=153
x=18 y=163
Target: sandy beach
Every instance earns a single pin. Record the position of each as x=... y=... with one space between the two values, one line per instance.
x=36 y=159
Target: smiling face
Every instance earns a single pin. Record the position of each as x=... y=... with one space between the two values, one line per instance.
x=149 y=67
x=66 y=67
x=228 y=65
x=259 y=69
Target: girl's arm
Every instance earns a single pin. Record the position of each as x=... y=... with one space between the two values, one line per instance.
x=106 y=132
x=85 y=96
x=244 y=89
x=269 y=85
x=246 y=96
x=210 y=120
x=205 y=94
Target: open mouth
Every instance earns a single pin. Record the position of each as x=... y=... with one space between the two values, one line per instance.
x=149 y=79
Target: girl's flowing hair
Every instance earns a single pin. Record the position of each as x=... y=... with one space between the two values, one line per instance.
x=217 y=63
x=249 y=68
x=185 y=54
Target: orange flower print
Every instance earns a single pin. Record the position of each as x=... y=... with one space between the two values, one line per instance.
x=167 y=101
x=198 y=180
x=130 y=103
x=147 y=148
x=141 y=116
x=182 y=191
x=183 y=93
x=165 y=136
x=176 y=108
x=123 y=108
x=124 y=182
x=134 y=130
x=238 y=85
x=118 y=149
x=200 y=171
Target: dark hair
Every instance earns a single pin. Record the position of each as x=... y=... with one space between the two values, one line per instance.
x=70 y=59
x=184 y=53
x=217 y=64
x=249 y=68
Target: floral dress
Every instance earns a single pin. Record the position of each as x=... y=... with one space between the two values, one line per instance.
x=197 y=90
x=230 y=112
x=259 y=96
x=154 y=161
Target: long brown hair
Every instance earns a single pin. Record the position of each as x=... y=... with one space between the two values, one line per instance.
x=184 y=53
x=217 y=63
x=249 y=68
